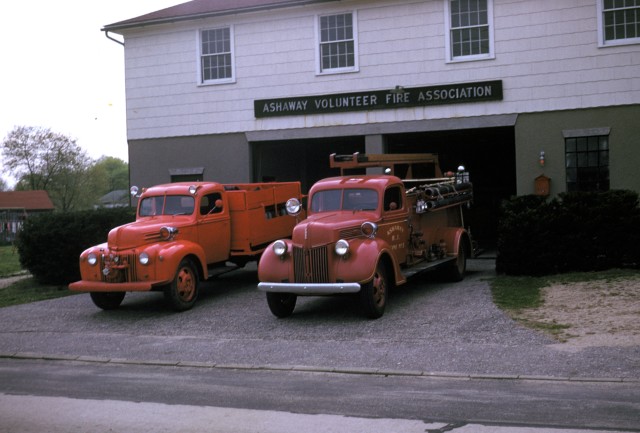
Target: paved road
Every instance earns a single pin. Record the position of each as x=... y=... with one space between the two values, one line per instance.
x=431 y=330
x=74 y=395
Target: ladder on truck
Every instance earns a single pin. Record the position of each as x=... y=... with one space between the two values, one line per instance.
x=397 y=164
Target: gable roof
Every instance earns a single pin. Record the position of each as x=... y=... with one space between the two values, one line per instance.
x=203 y=9
x=115 y=196
x=27 y=200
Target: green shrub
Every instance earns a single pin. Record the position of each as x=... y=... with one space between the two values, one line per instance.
x=581 y=231
x=50 y=244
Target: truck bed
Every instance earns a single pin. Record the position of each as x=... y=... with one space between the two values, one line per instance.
x=258 y=214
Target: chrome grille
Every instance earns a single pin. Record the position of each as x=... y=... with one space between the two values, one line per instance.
x=311 y=265
x=122 y=268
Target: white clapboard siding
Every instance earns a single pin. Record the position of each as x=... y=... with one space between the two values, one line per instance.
x=546 y=54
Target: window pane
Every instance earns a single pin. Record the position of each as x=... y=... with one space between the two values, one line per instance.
x=581 y=144
x=621 y=19
x=216 y=54
x=469 y=28
x=587 y=163
x=337 y=48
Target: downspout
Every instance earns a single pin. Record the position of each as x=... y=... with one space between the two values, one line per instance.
x=106 y=33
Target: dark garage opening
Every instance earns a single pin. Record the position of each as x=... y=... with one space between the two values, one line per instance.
x=304 y=160
x=488 y=154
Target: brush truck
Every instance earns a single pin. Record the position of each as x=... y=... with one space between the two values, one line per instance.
x=185 y=233
x=364 y=234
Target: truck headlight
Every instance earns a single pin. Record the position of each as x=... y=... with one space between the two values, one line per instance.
x=92 y=259
x=279 y=248
x=143 y=258
x=167 y=233
x=369 y=229
x=342 y=247
x=293 y=206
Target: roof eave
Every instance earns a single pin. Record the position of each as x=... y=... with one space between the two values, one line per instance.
x=129 y=24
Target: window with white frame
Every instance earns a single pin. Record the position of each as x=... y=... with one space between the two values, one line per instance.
x=337 y=50
x=618 y=22
x=216 y=55
x=469 y=33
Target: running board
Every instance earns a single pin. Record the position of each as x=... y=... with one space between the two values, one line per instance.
x=423 y=266
x=215 y=272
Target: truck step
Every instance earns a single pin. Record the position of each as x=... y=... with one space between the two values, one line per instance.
x=426 y=265
x=217 y=271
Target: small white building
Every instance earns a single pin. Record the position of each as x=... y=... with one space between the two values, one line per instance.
x=516 y=90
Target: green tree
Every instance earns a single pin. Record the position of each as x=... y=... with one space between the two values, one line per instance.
x=117 y=173
x=42 y=159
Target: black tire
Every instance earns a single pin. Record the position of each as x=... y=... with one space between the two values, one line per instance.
x=457 y=269
x=107 y=300
x=373 y=295
x=281 y=304
x=182 y=293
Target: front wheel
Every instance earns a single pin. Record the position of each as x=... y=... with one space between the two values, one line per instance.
x=373 y=295
x=281 y=304
x=182 y=293
x=107 y=300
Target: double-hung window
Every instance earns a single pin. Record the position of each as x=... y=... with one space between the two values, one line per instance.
x=216 y=56
x=618 y=22
x=337 y=48
x=469 y=30
x=587 y=160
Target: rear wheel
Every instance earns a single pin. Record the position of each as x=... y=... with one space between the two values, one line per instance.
x=373 y=295
x=458 y=268
x=107 y=300
x=281 y=304
x=182 y=293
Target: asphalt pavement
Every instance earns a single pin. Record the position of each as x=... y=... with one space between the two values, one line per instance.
x=430 y=328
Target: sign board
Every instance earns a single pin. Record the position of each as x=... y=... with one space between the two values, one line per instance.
x=399 y=97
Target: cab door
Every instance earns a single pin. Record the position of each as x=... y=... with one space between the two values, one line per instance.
x=214 y=227
x=394 y=227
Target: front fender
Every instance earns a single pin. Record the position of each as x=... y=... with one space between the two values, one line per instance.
x=169 y=255
x=276 y=269
x=362 y=260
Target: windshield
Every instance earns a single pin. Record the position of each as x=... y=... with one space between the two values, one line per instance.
x=344 y=199
x=167 y=205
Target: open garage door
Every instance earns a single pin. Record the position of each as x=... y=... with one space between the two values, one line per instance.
x=488 y=154
x=305 y=160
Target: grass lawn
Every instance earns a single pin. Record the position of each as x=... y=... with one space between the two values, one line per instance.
x=9 y=261
x=513 y=293
x=26 y=289
x=516 y=294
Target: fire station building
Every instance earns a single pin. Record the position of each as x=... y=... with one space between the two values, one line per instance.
x=531 y=96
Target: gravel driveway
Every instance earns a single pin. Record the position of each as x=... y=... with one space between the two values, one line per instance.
x=429 y=326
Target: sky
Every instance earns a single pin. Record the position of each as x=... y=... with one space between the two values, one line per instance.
x=59 y=71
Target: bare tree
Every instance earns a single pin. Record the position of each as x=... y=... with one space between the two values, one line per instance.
x=43 y=159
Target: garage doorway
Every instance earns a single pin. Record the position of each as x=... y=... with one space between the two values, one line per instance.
x=488 y=154
x=306 y=160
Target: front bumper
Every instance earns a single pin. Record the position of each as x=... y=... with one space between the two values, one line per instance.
x=310 y=289
x=99 y=286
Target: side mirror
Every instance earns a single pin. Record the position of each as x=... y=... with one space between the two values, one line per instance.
x=217 y=207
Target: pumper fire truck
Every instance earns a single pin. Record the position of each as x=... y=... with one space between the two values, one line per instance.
x=364 y=234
